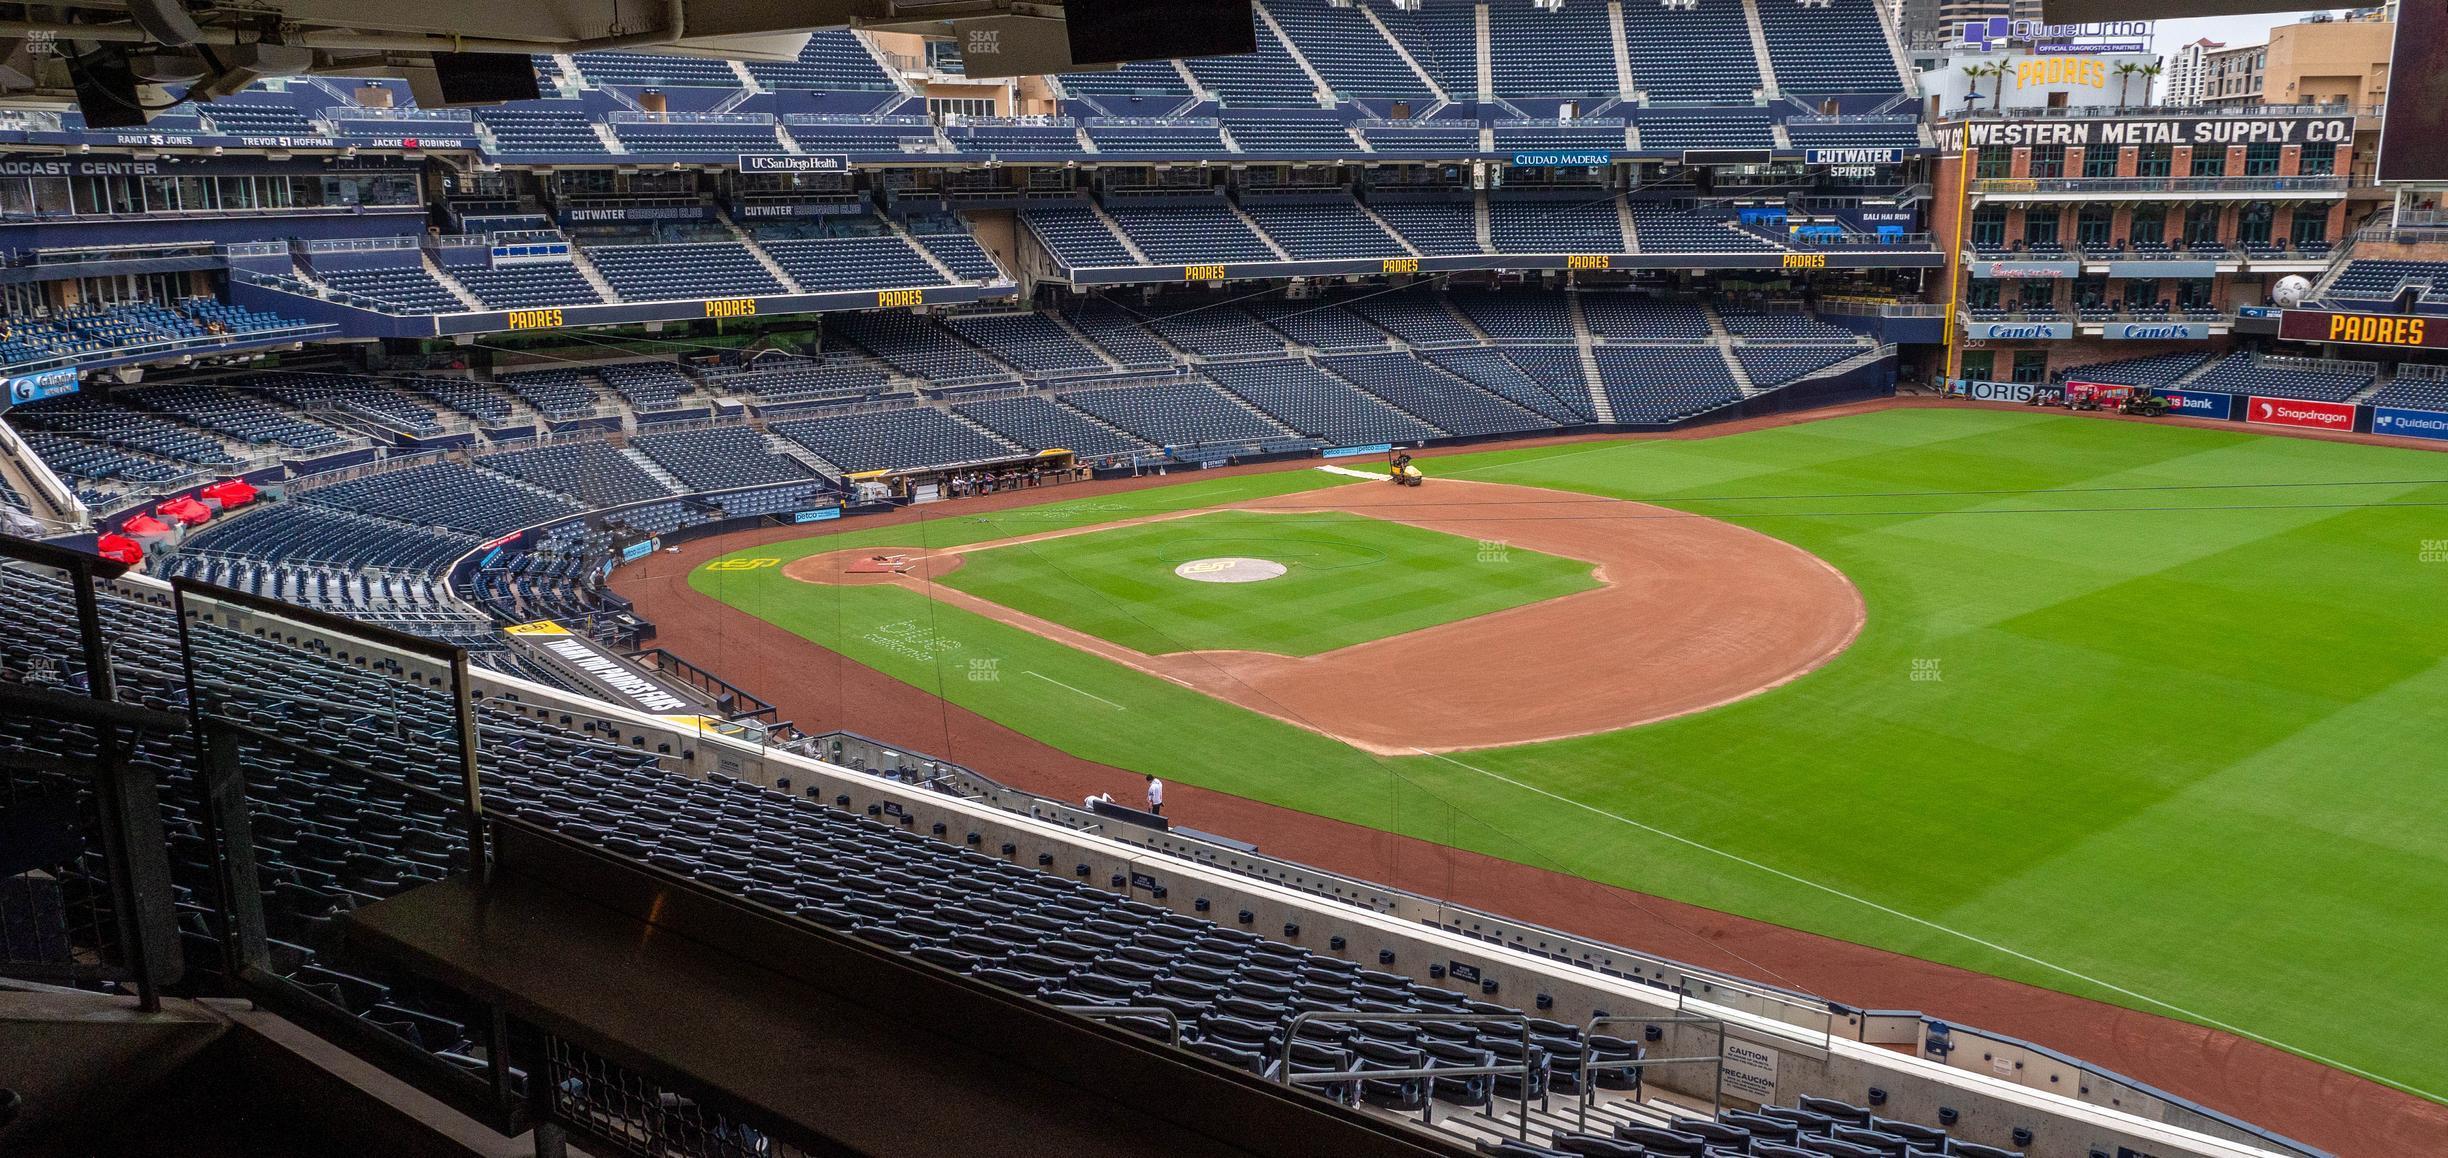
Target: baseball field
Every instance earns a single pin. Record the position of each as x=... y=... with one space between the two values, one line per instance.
x=2149 y=714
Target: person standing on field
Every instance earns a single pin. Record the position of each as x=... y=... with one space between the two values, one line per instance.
x=1155 y=796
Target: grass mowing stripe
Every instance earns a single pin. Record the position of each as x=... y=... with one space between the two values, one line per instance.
x=2184 y=752
x=1351 y=579
x=1865 y=902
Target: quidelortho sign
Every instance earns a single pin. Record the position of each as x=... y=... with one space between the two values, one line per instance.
x=2430 y=424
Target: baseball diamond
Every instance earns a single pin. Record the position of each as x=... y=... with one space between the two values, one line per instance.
x=1936 y=574
x=1325 y=579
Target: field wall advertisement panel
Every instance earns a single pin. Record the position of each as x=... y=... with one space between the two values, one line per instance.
x=2431 y=424
x=2297 y=412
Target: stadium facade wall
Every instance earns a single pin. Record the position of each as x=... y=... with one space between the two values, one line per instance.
x=1817 y=1047
x=366 y=323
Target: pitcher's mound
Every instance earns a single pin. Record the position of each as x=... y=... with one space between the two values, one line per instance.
x=873 y=565
x=1230 y=570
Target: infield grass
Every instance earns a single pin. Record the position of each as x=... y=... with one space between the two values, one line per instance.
x=2151 y=714
x=1349 y=579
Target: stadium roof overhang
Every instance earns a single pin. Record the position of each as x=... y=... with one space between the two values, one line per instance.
x=85 y=52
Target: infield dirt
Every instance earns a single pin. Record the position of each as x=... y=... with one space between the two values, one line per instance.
x=1690 y=613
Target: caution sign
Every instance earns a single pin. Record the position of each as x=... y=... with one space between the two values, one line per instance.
x=1750 y=1071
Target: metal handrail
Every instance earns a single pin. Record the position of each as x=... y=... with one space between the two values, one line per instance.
x=1102 y=1012
x=1285 y=1075
x=1589 y=1093
x=129 y=814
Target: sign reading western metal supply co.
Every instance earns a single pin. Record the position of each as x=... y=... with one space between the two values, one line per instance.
x=2114 y=131
x=794 y=162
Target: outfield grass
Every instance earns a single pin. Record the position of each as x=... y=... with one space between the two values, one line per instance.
x=1350 y=579
x=2145 y=713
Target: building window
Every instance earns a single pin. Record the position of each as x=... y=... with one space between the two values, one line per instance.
x=1989 y=227
x=2141 y=293
x=1992 y=163
x=1979 y=364
x=2261 y=160
x=2253 y=224
x=940 y=108
x=2039 y=295
x=2201 y=226
x=2149 y=225
x=2310 y=227
x=2048 y=161
x=2194 y=293
x=1983 y=295
x=2091 y=226
x=2039 y=227
x=2209 y=161
x=2318 y=161
x=2090 y=292
x=2100 y=161
x=2031 y=365
x=2157 y=161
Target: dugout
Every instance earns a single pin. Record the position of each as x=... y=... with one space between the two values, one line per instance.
x=1054 y=467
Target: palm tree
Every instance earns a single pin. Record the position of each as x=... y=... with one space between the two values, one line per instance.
x=1997 y=93
x=2125 y=74
x=1972 y=94
x=2150 y=77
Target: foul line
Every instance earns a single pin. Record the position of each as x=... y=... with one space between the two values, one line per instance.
x=1831 y=890
x=1347 y=471
x=1069 y=688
